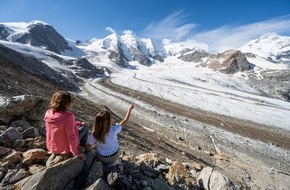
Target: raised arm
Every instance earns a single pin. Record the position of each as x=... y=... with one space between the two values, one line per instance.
x=123 y=122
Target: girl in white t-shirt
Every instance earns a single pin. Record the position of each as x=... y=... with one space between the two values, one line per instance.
x=104 y=136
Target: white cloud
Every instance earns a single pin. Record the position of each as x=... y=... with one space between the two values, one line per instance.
x=175 y=29
x=111 y=30
x=233 y=37
x=172 y=27
x=128 y=32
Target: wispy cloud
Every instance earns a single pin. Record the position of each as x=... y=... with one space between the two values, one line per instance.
x=176 y=28
x=173 y=27
x=110 y=29
x=233 y=37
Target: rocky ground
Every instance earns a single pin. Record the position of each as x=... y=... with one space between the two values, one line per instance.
x=246 y=152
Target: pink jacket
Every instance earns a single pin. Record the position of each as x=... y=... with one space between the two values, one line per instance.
x=62 y=135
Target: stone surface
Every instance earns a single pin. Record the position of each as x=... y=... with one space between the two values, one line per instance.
x=230 y=62
x=211 y=179
x=99 y=184
x=9 y=136
x=33 y=156
x=53 y=177
x=176 y=173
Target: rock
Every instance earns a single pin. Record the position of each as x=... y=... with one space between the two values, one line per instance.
x=19 y=143
x=36 y=168
x=10 y=174
x=176 y=173
x=4 y=151
x=168 y=161
x=230 y=62
x=159 y=184
x=197 y=166
x=26 y=106
x=30 y=133
x=192 y=173
x=96 y=172
x=211 y=179
x=14 y=176
x=33 y=156
x=29 y=143
x=162 y=168
x=3 y=171
x=39 y=142
x=55 y=177
x=22 y=124
x=99 y=184
x=13 y=158
x=9 y=136
x=150 y=159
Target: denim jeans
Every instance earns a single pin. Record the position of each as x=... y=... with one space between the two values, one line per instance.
x=83 y=135
x=81 y=178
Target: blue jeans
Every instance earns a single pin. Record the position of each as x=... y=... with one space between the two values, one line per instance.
x=81 y=178
x=83 y=135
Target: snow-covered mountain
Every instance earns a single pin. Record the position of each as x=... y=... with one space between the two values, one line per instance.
x=35 y=33
x=125 y=48
x=272 y=46
x=90 y=59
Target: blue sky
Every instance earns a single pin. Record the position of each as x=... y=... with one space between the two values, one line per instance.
x=201 y=20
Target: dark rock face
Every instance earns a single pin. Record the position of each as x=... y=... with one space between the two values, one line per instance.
x=230 y=62
x=138 y=51
x=145 y=58
x=118 y=57
x=195 y=56
x=85 y=69
x=3 y=33
x=139 y=56
x=34 y=67
x=158 y=57
x=45 y=35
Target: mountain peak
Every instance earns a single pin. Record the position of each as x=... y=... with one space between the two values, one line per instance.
x=35 y=22
x=270 y=46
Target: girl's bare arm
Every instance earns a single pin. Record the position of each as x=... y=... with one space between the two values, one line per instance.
x=123 y=122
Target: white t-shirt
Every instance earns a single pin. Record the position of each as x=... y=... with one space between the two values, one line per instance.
x=111 y=144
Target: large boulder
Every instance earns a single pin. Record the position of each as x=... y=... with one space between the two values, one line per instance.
x=210 y=179
x=27 y=107
x=33 y=156
x=55 y=177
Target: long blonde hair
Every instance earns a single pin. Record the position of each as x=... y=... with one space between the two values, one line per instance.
x=60 y=101
x=102 y=126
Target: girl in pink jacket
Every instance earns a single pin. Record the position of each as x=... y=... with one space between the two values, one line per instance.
x=63 y=133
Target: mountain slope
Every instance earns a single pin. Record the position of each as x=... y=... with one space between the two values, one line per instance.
x=273 y=47
x=35 y=33
x=35 y=67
